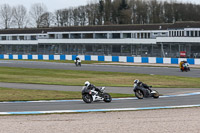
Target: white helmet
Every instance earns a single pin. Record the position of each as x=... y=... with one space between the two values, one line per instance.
x=136 y=81
x=87 y=83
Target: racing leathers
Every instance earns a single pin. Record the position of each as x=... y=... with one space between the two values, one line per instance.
x=144 y=85
x=92 y=87
x=77 y=58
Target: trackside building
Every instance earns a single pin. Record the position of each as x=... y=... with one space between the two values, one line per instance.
x=180 y=39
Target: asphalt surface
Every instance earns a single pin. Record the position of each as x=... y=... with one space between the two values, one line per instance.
x=80 y=105
x=77 y=105
x=106 y=68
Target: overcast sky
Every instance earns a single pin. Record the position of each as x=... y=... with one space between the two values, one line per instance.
x=52 y=5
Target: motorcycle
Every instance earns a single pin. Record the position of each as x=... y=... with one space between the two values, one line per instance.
x=141 y=92
x=77 y=62
x=89 y=96
x=185 y=69
x=184 y=66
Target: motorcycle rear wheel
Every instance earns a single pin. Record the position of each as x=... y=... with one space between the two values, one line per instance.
x=107 y=97
x=87 y=98
x=139 y=94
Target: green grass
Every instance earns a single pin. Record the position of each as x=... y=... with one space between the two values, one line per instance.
x=8 y=94
x=74 y=77
x=64 y=61
x=70 y=61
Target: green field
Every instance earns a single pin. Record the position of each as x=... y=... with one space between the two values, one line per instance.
x=64 y=61
x=74 y=77
x=77 y=78
x=7 y=94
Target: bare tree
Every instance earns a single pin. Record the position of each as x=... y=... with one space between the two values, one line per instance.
x=100 y=12
x=75 y=17
x=115 y=11
x=20 y=17
x=124 y=12
x=46 y=19
x=71 y=17
x=62 y=17
x=82 y=15
x=59 y=18
x=107 y=11
x=6 y=15
x=36 y=11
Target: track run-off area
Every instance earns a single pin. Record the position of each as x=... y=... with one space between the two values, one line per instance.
x=171 y=97
x=105 y=68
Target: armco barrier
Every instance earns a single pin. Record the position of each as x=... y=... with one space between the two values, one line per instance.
x=129 y=59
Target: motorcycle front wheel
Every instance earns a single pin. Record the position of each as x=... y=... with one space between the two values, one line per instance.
x=156 y=95
x=107 y=97
x=139 y=94
x=87 y=98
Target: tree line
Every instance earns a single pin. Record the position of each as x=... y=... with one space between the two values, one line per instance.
x=102 y=12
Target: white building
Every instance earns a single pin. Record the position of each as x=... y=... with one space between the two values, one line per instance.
x=152 y=40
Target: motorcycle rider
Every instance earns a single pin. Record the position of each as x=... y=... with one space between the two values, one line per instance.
x=91 y=87
x=77 y=59
x=138 y=83
x=186 y=65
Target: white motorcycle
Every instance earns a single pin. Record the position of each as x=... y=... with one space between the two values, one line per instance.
x=89 y=96
x=77 y=62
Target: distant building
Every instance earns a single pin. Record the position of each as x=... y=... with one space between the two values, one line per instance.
x=152 y=40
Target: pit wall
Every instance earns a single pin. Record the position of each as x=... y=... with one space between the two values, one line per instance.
x=129 y=59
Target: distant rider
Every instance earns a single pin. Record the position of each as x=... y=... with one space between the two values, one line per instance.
x=91 y=87
x=185 y=65
x=77 y=58
x=138 y=83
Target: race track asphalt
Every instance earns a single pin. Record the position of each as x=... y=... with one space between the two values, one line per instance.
x=106 y=68
x=126 y=103
x=80 y=105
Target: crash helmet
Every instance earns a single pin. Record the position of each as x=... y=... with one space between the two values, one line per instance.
x=87 y=83
x=136 y=81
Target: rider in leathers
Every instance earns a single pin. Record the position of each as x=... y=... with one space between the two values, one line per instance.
x=142 y=84
x=91 y=87
x=77 y=59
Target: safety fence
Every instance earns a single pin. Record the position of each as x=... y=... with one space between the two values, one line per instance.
x=129 y=59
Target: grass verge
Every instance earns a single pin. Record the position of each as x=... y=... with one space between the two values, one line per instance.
x=64 y=61
x=75 y=77
x=8 y=94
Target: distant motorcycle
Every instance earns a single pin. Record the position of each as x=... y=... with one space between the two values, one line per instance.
x=141 y=92
x=185 y=69
x=77 y=62
x=89 y=96
x=184 y=66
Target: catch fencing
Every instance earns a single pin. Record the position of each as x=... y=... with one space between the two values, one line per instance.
x=129 y=59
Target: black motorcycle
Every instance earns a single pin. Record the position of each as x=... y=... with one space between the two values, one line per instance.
x=89 y=96
x=141 y=92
